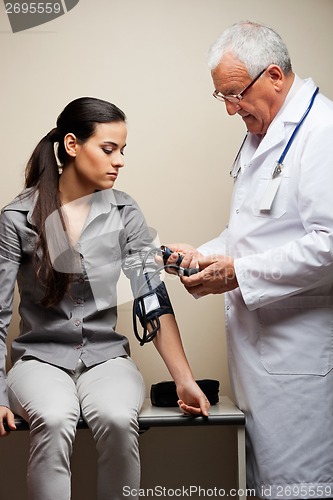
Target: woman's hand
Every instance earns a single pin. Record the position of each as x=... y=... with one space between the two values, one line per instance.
x=6 y=415
x=192 y=401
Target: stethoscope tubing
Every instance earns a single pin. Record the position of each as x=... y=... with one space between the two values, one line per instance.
x=277 y=170
x=298 y=126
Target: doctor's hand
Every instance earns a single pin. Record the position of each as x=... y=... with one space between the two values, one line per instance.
x=188 y=252
x=217 y=275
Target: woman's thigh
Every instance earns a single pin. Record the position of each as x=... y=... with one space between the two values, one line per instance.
x=111 y=389
x=37 y=388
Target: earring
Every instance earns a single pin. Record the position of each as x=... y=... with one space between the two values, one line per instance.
x=60 y=165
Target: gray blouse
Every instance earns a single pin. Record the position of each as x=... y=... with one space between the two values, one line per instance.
x=83 y=324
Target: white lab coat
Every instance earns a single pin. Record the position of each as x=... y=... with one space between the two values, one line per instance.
x=280 y=320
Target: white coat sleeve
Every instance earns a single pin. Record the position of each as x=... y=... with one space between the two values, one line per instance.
x=216 y=246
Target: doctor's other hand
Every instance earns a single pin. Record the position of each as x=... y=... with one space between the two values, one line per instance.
x=217 y=275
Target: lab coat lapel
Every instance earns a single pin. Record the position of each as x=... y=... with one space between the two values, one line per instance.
x=276 y=135
x=284 y=123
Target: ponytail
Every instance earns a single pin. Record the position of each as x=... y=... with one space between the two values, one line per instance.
x=42 y=174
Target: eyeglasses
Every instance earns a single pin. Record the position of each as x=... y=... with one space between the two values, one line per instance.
x=235 y=99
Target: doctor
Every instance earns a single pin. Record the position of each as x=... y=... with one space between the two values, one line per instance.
x=275 y=263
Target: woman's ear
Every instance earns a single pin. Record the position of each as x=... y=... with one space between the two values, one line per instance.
x=70 y=143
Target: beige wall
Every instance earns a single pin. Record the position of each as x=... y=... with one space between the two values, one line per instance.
x=149 y=57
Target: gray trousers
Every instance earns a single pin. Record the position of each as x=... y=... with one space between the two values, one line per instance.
x=109 y=395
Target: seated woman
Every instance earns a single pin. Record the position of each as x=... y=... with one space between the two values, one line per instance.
x=64 y=239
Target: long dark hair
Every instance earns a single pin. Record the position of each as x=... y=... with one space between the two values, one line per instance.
x=80 y=118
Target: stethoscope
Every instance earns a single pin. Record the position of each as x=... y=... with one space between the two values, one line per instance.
x=279 y=164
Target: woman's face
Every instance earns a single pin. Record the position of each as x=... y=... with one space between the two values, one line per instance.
x=94 y=165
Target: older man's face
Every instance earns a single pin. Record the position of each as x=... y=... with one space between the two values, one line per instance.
x=260 y=103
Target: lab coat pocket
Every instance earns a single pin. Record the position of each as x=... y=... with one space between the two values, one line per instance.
x=296 y=336
x=278 y=199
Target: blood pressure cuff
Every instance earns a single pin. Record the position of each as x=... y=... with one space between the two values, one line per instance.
x=164 y=393
x=153 y=304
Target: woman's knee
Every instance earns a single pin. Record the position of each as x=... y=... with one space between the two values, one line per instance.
x=117 y=425
x=54 y=423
